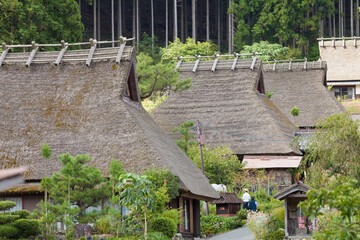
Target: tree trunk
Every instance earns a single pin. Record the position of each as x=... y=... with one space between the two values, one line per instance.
x=340 y=18
x=152 y=25
x=98 y=21
x=193 y=9
x=112 y=23
x=134 y=21
x=137 y=24
x=94 y=15
x=352 y=17
x=330 y=30
x=167 y=23
x=207 y=21
x=175 y=20
x=119 y=19
x=182 y=21
x=357 y=18
x=219 y=24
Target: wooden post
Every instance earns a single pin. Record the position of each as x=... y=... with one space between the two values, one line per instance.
x=207 y=21
x=175 y=20
x=229 y=29
x=119 y=19
x=167 y=23
x=352 y=17
x=98 y=21
x=191 y=206
x=330 y=30
x=193 y=9
x=152 y=25
x=112 y=23
x=286 y=218
x=181 y=207
x=340 y=18
x=219 y=24
x=94 y=15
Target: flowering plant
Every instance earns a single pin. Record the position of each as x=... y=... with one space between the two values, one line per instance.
x=257 y=222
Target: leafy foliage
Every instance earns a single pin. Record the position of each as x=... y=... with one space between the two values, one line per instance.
x=27 y=227
x=165 y=225
x=344 y=201
x=9 y=231
x=186 y=137
x=295 y=111
x=43 y=21
x=333 y=150
x=6 y=205
x=269 y=51
x=159 y=176
x=77 y=183
x=215 y=224
x=219 y=163
x=188 y=49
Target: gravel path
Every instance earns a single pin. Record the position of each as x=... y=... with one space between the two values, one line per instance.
x=238 y=234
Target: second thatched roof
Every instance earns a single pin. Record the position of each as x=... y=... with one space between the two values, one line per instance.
x=232 y=108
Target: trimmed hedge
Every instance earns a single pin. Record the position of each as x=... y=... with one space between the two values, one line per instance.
x=275 y=235
x=5 y=205
x=7 y=218
x=21 y=213
x=9 y=231
x=27 y=227
x=165 y=225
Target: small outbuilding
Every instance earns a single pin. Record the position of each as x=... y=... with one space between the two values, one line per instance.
x=228 y=204
x=296 y=223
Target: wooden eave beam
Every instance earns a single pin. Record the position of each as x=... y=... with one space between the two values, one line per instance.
x=121 y=50
x=62 y=52
x=3 y=54
x=32 y=54
x=91 y=52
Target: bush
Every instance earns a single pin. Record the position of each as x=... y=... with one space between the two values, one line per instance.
x=275 y=235
x=209 y=230
x=5 y=205
x=7 y=218
x=269 y=206
x=9 y=231
x=103 y=225
x=157 y=236
x=231 y=223
x=242 y=214
x=214 y=224
x=27 y=227
x=165 y=225
x=172 y=214
x=21 y=213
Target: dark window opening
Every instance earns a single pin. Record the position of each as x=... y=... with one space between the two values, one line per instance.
x=344 y=92
x=260 y=86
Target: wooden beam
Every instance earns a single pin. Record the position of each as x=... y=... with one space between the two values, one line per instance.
x=62 y=52
x=175 y=21
x=91 y=52
x=121 y=50
x=297 y=195
x=286 y=218
x=192 y=222
x=181 y=208
x=32 y=54
x=94 y=15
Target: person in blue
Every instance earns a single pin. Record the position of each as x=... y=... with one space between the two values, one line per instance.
x=253 y=205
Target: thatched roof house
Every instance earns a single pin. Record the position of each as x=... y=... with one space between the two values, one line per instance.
x=87 y=110
x=304 y=88
x=342 y=56
x=232 y=108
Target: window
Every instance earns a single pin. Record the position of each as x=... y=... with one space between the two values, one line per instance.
x=344 y=92
x=131 y=91
x=18 y=202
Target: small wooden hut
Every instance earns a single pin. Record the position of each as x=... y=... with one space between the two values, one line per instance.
x=296 y=224
x=228 y=204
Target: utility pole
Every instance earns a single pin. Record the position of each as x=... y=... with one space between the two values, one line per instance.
x=201 y=143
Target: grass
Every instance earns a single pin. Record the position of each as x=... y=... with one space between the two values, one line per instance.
x=353 y=107
x=151 y=103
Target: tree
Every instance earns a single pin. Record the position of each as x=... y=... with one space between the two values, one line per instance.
x=137 y=193
x=77 y=183
x=186 y=137
x=159 y=76
x=188 y=49
x=46 y=155
x=161 y=176
x=269 y=51
x=344 y=201
x=43 y=21
x=333 y=149
x=219 y=163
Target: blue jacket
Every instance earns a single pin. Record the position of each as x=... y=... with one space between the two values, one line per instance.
x=252 y=205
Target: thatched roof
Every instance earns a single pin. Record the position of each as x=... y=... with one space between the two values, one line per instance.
x=297 y=187
x=342 y=57
x=232 y=108
x=228 y=198
x=305 y=89
x=86 y=110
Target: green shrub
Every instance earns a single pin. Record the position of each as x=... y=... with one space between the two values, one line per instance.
x=103 y=225
x=242 y=214
x=165 y=225
x=21 y=213
x=27 y=227
x=231 y=223
x=275 y=235
x=9 y=231
x=214 y=224
x=172 y=214
x=5 y=205
x=209 y=230
x=157 y=236
x=269 y=206
x=7 y=218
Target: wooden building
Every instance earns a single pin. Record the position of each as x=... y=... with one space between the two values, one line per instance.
x=88 y=104
x=304 y=85
x=296 y=224
x=228 y=204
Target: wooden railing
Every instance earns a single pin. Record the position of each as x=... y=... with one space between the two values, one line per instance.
x=64 y=55
x=343 y=39
x=290 y=64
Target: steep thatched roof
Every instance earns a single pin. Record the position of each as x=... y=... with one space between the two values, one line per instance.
x=86 y=110
x=232 y=107
x=305 y=89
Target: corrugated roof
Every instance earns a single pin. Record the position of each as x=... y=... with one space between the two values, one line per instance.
x=257 y=162
x=304 y=89
x=230 y=107
x=227 y=198
x=83 y=110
